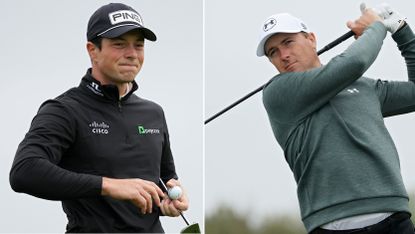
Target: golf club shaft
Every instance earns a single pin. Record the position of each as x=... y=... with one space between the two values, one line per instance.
x=167 y=191
x=324 y=49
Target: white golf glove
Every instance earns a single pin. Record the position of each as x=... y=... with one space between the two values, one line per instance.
x=391 y=18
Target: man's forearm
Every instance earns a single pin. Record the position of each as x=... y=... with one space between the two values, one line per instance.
x=398 y=97
x=41 y=178
x=405 y=40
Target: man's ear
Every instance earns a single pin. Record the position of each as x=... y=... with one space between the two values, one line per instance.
x=313 y=39
x=92 y=50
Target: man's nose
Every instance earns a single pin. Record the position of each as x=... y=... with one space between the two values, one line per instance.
x=130 y=52
x=284 y=54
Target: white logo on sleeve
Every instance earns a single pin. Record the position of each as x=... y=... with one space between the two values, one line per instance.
x=125 y=16
x=354 y=90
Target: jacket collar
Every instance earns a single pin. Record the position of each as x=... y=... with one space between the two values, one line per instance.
x=105 y=91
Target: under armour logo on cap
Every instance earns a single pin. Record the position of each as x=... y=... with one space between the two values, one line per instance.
x=270 y=23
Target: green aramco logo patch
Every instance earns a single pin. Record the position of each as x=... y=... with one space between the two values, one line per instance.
x=142 y=130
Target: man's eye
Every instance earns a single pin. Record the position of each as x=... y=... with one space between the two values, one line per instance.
x=287 y=42
x=118 y=44
x=271 y=52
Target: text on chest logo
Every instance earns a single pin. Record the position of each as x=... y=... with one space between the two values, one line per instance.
x=142 y=130
x=99 y=128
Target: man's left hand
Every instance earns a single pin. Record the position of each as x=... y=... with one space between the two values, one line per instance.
x=174 y=207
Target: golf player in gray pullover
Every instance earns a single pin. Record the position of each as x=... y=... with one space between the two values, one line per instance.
x=328 y=119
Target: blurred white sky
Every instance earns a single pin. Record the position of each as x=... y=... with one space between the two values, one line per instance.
x=245 y=166
x=43 y=54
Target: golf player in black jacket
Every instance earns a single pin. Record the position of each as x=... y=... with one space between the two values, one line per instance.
x=99 y=148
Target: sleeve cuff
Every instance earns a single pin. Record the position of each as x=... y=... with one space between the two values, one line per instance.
x=403 y=35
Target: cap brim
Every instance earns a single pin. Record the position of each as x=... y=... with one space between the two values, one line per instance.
x=116 y=32
x=260 y=51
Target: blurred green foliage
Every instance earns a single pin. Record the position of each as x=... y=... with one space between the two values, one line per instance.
x=226 y=220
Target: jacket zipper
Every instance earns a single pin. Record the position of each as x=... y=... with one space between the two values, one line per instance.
x=119 y=106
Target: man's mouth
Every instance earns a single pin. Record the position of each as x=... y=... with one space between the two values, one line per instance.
x=290 y=66
x=128 y=65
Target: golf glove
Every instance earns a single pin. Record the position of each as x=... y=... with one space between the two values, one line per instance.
x=391 y=18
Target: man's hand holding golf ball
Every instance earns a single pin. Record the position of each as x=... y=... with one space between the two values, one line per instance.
x=144 y=193
x=175 y=200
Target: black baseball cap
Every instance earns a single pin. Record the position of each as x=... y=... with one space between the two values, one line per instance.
x=115 y=19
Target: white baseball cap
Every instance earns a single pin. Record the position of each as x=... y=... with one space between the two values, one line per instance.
x=279 y=23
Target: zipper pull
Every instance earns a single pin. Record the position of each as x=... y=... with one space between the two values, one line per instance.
x=119 y=106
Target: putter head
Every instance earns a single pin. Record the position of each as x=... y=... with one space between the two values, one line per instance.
x=193 y=228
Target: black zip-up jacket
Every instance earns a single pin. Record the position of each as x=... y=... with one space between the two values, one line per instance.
x=88 y=133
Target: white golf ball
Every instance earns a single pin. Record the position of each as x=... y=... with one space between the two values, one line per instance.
x=175 y=192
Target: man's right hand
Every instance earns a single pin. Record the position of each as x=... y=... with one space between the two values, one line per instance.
x=140 y=192
x=368 y=17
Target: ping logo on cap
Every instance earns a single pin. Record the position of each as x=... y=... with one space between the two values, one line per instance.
x=125 y=16
x=270 y=23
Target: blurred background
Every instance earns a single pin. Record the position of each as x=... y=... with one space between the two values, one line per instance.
x=249 y=186
x=226 y=219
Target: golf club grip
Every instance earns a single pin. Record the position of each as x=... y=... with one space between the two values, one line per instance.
x=324 y=49
x=336 y=42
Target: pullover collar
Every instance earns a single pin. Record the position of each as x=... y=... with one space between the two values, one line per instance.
x=109 y=92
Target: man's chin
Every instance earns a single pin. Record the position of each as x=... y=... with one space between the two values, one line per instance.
x=128 y=76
